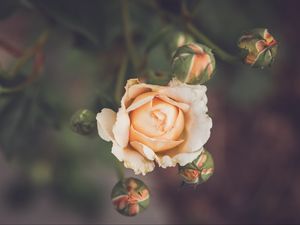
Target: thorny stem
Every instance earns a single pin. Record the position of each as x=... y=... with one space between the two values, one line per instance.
x=128 y=36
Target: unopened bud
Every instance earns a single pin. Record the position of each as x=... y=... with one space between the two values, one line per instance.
x=130 y=196
x=193 y=63
x=258 y=47
x=83 y=122
x=198 y=171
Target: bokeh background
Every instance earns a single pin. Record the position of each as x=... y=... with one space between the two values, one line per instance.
x=50 y=174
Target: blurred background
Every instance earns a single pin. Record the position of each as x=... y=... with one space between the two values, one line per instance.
x=59 y=56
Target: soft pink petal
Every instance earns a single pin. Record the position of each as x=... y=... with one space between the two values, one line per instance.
x=105 y=121
x=121 y=128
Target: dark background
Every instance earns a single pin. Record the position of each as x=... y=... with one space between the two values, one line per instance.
x=49 y=174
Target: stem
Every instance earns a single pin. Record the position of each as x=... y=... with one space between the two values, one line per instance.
x=193 y=30
x=120 y=79
x=119 y=169
x=216 y=49
x=128 y=36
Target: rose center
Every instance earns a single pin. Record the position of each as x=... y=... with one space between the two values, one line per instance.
x=154 y=118
x=159 y=119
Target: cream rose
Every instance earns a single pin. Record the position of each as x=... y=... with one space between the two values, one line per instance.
x=162 y=124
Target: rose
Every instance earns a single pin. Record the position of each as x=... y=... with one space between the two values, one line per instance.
x=165 y=124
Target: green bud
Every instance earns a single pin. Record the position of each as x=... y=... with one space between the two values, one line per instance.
x=198 y=171
x=130 y=196
x=258 y=48
x=84 y=122
x=193 y=63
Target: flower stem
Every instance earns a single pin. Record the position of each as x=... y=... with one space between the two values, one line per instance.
x=216 y=49
x=120 y=79
x=119 y=169
x=128 y=36
x=186 y=22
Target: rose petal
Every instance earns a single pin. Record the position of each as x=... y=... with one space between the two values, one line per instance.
x=133 y=89
x=199 y=63
x=197 y=122
x=143 y=149
x=121 y=128
x=118 y=151
x=141 y=100
x=156 y=144
x=197 y=132
x=177 y=129
x=171 y=158
x=183 y=106
x=260 y=45
x=133 y=159
x=137 y=162
x=186 y=93
x=154 y=118
x=105 y=121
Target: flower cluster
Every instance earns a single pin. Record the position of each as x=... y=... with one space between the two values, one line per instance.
x=168 y=125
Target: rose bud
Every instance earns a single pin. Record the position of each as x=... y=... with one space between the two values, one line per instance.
x=176 y=40
x=130 y=196
x=199 y=170
x=164 y=124
x=193 y=63
x=83 y=122
x=258 y=48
